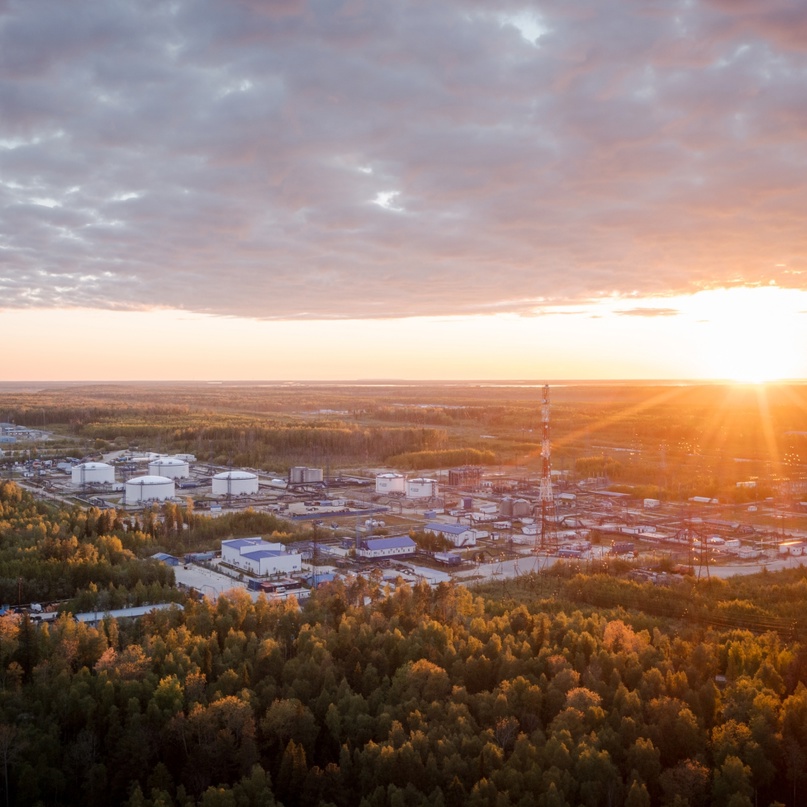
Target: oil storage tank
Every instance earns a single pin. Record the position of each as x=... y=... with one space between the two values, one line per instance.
x=390 y=483
x=92 y=473
x=148 y=489
x=170 y=467
x=234 y=483
x=421 y=488
x=301 y=475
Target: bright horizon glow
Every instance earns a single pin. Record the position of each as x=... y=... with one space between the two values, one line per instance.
x=738 y=334
x=751 y=332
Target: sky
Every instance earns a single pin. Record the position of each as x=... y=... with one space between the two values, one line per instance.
x=318 y=189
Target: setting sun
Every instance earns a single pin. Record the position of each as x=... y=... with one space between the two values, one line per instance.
x=749 y=332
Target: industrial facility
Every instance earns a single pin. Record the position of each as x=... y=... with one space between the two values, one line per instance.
x=301 y=475
x=390 y=483
x=421 y=488
x=259 y=557
x=142 y=489
x=92 y=473
x=234 y=483
x=170 y=467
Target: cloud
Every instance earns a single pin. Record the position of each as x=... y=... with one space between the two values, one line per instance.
x=233 y=157
x=649 y=312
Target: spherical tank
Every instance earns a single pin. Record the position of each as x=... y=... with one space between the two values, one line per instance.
x=234 y=483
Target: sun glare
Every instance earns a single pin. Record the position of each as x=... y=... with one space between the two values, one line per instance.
x=749 y=333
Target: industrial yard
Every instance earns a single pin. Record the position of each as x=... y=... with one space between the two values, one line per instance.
x=492 y=521
x=557 y=491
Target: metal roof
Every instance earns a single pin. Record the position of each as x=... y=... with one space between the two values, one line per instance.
x=450 y=529
x=395 y=542
x=259 y=554
x=240 y=543
x=123 y=613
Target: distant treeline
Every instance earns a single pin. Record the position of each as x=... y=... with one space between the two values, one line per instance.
x=417 y=460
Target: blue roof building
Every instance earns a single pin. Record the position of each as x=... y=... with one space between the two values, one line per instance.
x=259 y=557
x=394 y=547
x=458 y=534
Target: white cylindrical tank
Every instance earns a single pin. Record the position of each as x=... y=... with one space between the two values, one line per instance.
x=390 y=483
x=301 y=475
x=92 y=473
x=421 y=488
x=234 y=483
x=171 y=467
x=147 y=489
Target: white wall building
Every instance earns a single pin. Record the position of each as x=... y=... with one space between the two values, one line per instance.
x=148 y=489
x=421 y=488
x=234 y=483
x=458 y=534
x=260 y=557
x=390 y=483
x=95 y=473
x=394 y=547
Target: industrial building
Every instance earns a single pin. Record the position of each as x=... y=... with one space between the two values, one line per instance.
x=459 y=534
x=390 y=483
x=397 y=546
x=170 y=467
x=234 y=483
x=469 y=476
x=259 y=557
x=92 y=473
x=143 y=489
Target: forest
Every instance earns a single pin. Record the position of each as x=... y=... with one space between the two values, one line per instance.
x=674 y=441
x=571 y=688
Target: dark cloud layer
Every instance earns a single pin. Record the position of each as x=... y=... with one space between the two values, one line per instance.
x=361 y=159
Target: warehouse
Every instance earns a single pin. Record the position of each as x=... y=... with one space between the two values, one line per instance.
x=260 y=557
x=397 y=546
x=458 y=534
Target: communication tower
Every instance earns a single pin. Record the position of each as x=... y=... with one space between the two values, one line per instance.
x=547 y=541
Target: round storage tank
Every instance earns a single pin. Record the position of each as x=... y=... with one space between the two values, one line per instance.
x=390 y=483
x=92 y=473
x=148 y=489
x=421 y=488
x=171 y=467
x=234 y=483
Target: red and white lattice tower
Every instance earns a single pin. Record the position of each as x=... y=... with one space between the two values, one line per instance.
x=547 y=540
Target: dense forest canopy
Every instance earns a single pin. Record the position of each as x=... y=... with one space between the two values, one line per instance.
x=558 y=689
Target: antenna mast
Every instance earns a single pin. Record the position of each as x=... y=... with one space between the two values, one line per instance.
x=548 y=539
